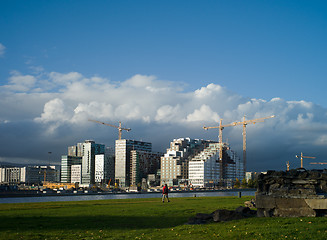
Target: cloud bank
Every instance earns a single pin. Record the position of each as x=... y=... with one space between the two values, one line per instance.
x=50 y=111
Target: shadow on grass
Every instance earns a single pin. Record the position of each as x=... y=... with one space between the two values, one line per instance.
x=90 y=222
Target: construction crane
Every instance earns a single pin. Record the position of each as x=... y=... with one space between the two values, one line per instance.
x=288 y=165
x=120 y=128
x=301 y=157
x=244 y=123
x=220 y=136
x=321 y=163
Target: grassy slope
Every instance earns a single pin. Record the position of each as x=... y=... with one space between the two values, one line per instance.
x=146 y=219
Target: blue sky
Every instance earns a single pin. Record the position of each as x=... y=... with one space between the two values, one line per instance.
x=260 y=50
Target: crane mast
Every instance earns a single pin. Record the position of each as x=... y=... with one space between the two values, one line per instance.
x=220 y=136
x=301 y=157
x=288 y=165
x=244 y=123
x=119 y=127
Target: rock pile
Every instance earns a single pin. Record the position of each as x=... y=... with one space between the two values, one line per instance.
x=222 y=215
x=294 y=193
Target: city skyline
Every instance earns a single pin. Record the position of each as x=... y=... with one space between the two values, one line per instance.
x=164 y=70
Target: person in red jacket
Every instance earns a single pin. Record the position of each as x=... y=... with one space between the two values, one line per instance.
x=165 y=191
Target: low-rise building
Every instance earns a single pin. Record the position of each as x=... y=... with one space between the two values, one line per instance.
x=29 y=175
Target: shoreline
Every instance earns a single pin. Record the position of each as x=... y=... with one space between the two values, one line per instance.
x=41 y=194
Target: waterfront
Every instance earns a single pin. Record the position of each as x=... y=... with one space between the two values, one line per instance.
x=89 y=197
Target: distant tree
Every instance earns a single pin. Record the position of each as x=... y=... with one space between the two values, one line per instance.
x=255 y=183
x=244 y=184
x=250 y=183
x=237 y=183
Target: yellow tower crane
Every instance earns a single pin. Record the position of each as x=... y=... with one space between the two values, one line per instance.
x=244 y=123
x=301 y=157
x=288 y=165
x=119 y=127
x=220 y=136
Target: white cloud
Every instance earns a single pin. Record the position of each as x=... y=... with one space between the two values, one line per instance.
x=168 y=113
x=139 y=81
x=2 y=50
x=21 y=83
x=203 y=114
x=55 y=111
x=208 y=91
x=65 y=79
x=64 y=103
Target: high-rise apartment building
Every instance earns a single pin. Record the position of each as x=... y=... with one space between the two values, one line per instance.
x=174 y=163
x=207 y=170
x=123 y=158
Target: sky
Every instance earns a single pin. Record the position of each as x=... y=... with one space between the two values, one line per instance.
x=164 y=69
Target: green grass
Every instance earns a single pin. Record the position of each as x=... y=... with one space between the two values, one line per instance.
x=146 y=219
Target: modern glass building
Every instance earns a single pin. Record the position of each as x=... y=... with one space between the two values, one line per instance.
x=123 y=158
x=66 y=164
x=90 y=149
x=142 y=164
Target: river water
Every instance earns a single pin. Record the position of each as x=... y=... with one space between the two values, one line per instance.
x=122 y=196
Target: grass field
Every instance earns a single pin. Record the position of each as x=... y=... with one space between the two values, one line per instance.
x=146 y=219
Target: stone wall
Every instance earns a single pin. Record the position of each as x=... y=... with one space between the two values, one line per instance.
x=294 y=193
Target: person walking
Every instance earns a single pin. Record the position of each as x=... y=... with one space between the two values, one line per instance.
x=165 y=191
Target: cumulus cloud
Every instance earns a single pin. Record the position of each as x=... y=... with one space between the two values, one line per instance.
x=54 y=111
x=203 y=114
x=21 y=83
x=2 y=49
x=158 y=111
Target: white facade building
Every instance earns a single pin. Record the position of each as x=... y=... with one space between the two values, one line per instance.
x=99 y=168
x=174 y=163
x=207 y=170
x=105 y=166
x=76 y=173
x=204 y=169
x=2 y=175
x=90 y=149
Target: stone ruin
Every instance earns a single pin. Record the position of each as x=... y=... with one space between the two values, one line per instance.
x=294 y=193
